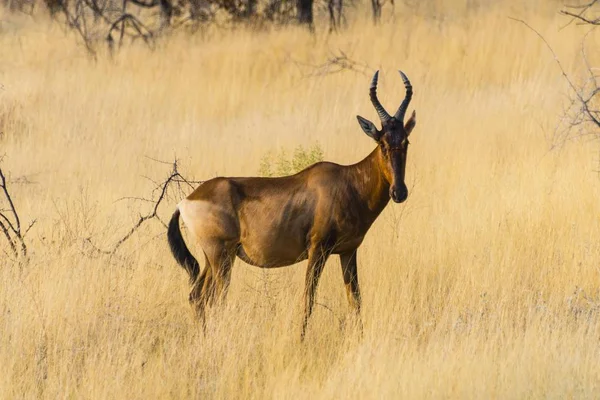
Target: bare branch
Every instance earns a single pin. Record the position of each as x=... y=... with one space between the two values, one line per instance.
x=31 y=224
x=10 y=222
x=174 y=178
x=4 y=188
x=336 y=63
x=581 y=110
x=562 y=70
x=9 y=239
x=582 y=6
x=581 y=18
x=6 y=220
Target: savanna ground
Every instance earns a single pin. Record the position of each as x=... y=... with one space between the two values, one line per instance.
x=484 y=284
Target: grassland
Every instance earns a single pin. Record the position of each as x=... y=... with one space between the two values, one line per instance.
x=484 y=284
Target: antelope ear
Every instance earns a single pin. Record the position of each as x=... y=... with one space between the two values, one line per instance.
x=369 y=128
x=410 y=124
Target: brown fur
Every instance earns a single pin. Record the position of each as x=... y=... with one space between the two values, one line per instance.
x=275 y=222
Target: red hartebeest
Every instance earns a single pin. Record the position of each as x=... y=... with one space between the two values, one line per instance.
x=274 y=222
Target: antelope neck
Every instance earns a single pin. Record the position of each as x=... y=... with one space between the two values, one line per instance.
x=370 y=181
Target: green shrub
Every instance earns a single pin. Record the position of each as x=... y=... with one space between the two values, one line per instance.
x=281 y=163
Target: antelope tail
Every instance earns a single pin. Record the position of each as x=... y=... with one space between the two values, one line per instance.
x=179 y=249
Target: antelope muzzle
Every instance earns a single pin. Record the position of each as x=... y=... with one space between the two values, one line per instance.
x=399 y=193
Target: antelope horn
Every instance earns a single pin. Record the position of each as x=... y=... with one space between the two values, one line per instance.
x=383 y=115
x=409 y=92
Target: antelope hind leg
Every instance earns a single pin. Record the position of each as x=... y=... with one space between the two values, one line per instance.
x=220 y=256
x=316 y=262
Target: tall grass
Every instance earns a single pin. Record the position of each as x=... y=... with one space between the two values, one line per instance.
x=484 y=284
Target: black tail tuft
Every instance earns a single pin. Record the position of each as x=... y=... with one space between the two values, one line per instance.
x=179 y=249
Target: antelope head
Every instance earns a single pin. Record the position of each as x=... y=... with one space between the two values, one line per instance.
x=392 y=138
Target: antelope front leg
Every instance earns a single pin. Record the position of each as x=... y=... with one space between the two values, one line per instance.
x=350 y=271
x=316 y=261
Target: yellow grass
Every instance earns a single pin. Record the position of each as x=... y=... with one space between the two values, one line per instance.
x=484 y=284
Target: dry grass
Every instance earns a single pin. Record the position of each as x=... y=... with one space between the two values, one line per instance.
x=484 y=284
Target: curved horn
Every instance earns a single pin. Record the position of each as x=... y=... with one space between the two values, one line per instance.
x=383 y=115
x=409 y=92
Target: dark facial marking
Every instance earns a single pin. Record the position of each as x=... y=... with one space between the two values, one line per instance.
x=394 y=146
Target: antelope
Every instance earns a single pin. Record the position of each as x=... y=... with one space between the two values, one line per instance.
x=325 y=209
